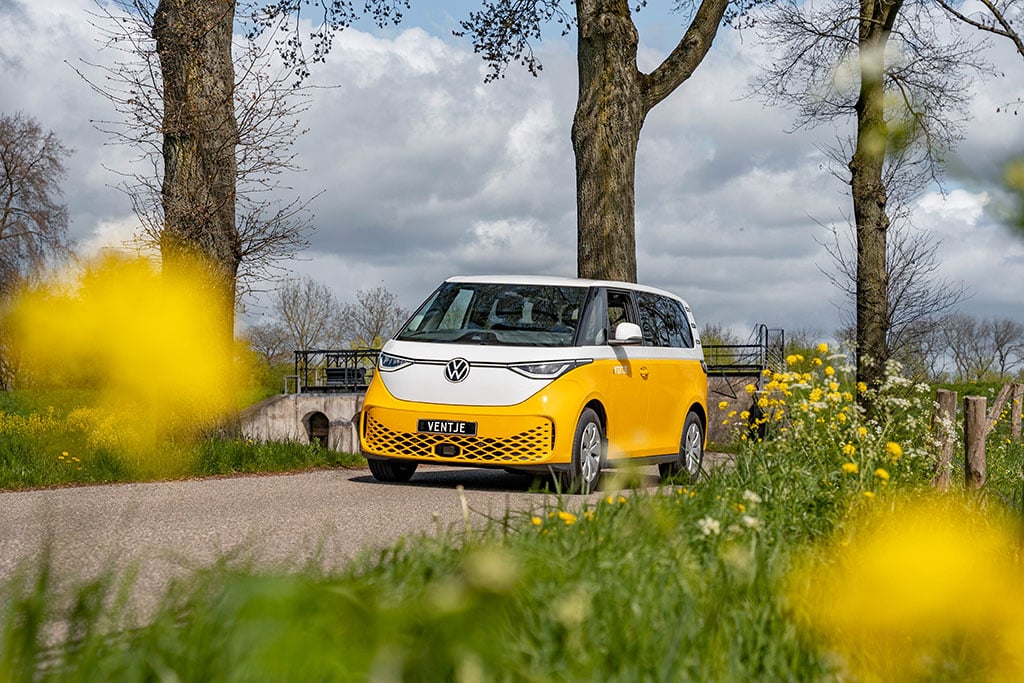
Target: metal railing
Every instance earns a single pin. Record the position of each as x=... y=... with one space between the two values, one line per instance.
x=321 y=370
x=766 y=350
x=339 y=371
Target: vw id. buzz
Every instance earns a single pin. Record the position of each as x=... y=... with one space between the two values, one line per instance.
x=542 y=374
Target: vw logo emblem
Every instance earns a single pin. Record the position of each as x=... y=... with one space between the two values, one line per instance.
x=456 y=370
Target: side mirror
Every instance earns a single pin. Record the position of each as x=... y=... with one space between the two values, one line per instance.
x=627 y=333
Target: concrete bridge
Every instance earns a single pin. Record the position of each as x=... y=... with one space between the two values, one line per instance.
x=323 y=397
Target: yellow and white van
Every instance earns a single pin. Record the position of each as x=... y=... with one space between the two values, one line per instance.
x=540 y=374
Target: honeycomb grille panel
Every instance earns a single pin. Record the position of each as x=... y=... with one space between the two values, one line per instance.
x=531 y=445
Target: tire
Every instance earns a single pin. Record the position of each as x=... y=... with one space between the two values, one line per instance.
x=391 y=471
x=688 y=462
x=588 y=451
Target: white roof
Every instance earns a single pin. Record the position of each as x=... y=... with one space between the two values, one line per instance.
x=557 y=282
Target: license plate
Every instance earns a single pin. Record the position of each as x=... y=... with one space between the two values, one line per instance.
x=446 y=427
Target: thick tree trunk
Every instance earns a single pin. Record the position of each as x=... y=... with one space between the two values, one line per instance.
x=193 y=39
x=869 y=194
x=614 y=98
x=605 y=133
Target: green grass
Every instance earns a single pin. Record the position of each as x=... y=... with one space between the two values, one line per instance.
x=45 y=446
x=683 y=583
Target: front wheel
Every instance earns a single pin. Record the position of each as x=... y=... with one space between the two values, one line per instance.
x=588 y=446
x=691 y=452
x=391 y=471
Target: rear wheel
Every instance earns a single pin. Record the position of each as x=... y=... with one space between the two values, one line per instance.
x=588 y=446
x=691 y=452
x=391 y=470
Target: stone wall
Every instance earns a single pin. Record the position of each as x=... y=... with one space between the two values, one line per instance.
x=732 y=390
x=293 y=417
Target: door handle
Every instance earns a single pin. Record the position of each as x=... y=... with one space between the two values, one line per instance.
x=644 y=371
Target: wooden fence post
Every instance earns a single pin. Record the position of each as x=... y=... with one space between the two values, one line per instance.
x=944 y=429
x=997 y=406
x=1015 y=408
x=975 y=430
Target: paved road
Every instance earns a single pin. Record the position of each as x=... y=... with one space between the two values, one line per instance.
x=164 y=529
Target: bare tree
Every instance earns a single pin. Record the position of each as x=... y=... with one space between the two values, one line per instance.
x=309 y=312
x=970 y=344
x=995 y=17
x=33 y=220
x=271 y=341
x=614 y=99
x=918 y=300
x=1007 y=344
x=882 y=64
x=373 y=319
x=271 y=230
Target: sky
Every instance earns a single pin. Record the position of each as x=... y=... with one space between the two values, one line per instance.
x=418 y=170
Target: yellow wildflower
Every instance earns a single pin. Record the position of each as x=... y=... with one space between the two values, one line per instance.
x=862 y=432
x=567 y=517
x=791 y=359
x=822 y=348
x=750 y=388
x=862 y=387
x=850 y=467
x=894 y=450
x=722 y=405
x=882 y=474
x=536 y=521
x=869 y=494
x=849 y=449
x=829 y=370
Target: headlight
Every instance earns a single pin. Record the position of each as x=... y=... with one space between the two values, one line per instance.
x=549 y=369
x=388 y=363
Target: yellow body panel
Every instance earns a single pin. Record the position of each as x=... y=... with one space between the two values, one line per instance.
x=642 y=401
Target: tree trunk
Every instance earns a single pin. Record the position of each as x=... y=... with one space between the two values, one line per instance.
x=614 y=98
x=869 y=194
x=193 y=39
x=605 y=133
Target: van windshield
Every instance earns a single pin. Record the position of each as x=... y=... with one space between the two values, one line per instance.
x=514 y=315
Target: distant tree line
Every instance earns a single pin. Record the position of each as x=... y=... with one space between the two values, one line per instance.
x=307 y=315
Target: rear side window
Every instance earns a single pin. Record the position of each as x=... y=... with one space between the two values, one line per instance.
x=663 y=321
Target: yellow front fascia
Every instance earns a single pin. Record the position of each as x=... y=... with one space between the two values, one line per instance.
x=537 y=431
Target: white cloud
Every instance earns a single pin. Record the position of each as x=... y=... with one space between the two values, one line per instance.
x=428 y=172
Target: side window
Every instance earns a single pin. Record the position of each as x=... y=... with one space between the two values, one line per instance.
x=681 y=334
x=664 y=321
x=652 y=320
x=620 y=309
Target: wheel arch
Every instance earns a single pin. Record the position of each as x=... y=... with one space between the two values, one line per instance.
x=702 y=415
x=598 y=407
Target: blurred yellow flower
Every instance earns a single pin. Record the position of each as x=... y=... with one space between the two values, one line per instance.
x=849 y=467
x=722 y=405
x=536 y=521
x=750 y=388
x=862 y=432
x=894 y=450
x=882 y=474
x=567 y=517
x=791 y=359
x=830 y=371
x=862 y=387
x=868 y=494
x=882 y=594
x=822 y=348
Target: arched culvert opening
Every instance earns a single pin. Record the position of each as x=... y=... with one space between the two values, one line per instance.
x=319 y=428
